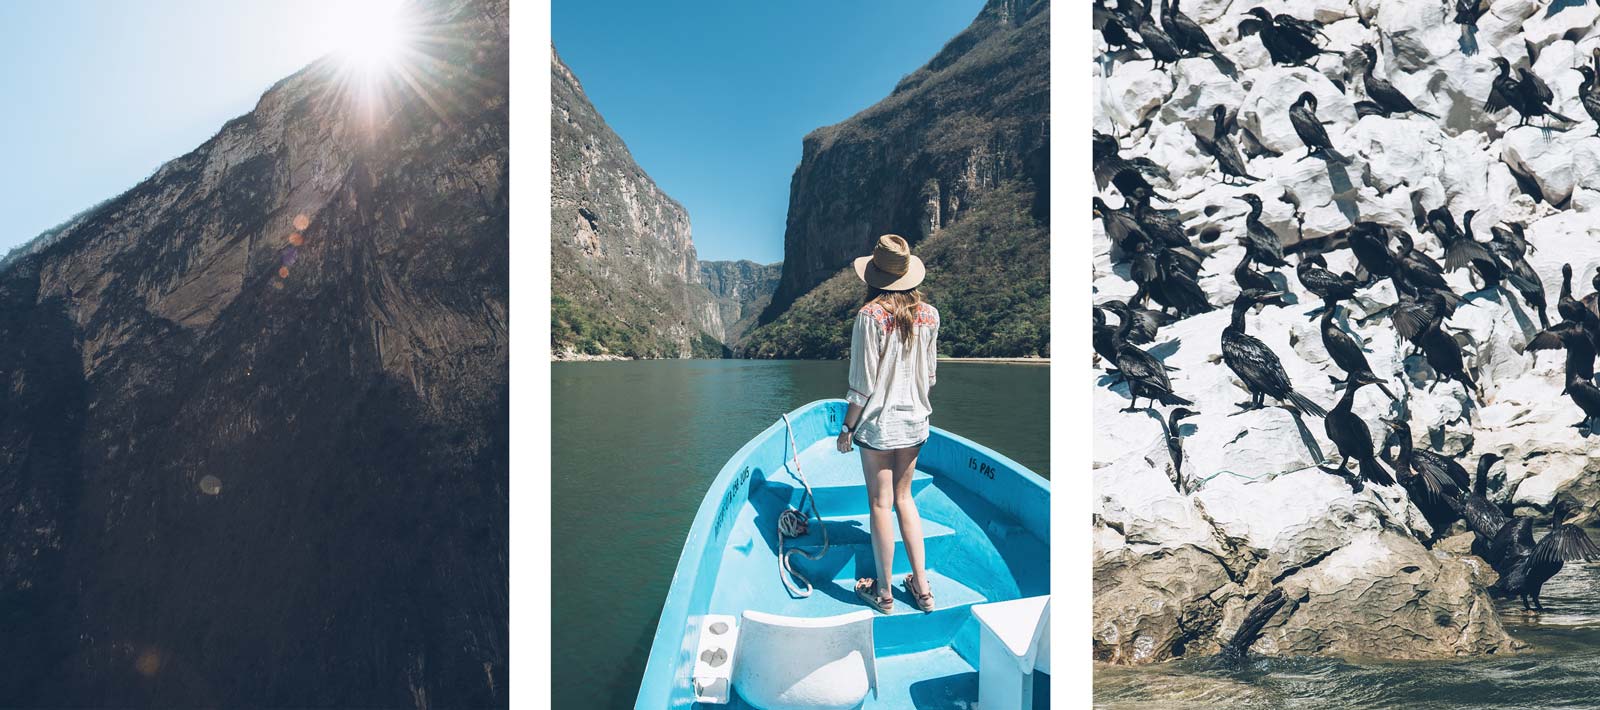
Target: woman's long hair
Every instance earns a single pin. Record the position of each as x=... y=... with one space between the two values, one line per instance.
x=902 y=305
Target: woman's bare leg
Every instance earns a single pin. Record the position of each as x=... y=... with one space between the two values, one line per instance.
x=878 y=467
x=905 y=465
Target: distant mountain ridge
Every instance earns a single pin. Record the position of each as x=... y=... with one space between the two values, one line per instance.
x=955 y=159
x=741 y=290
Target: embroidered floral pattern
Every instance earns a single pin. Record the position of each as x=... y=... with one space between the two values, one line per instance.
x=927 y=316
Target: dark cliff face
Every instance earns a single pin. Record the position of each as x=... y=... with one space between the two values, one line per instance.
x=741 y=290
x=253 y=412
x=624 y=276
x=969 y=127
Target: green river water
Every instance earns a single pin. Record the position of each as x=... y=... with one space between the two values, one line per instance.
x=634 y=447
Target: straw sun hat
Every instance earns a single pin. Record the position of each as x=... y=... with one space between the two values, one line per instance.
x=891 y=266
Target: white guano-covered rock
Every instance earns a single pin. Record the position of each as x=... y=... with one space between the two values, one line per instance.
x=1180 y=557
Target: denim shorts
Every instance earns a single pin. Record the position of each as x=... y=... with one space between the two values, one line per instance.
x=858 y=442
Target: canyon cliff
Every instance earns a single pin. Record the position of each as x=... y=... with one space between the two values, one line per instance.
x=956 y=160
x=625 y=280
x=254 y=410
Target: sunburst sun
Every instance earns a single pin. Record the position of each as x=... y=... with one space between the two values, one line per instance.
x=377 y=50
x=375 y=35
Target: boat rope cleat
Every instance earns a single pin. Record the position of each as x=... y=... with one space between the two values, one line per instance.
x=713 y=660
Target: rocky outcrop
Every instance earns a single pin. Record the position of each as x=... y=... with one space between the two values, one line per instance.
x=254 y=411
x=1254 y=511
x=624 y=276
x=740 y=290
x=969 y=129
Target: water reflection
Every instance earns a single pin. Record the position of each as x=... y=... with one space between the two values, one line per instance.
x=1560 y=669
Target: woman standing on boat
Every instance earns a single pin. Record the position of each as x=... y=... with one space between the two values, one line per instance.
x=893 y=352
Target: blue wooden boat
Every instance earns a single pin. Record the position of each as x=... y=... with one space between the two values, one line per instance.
x=986 y=525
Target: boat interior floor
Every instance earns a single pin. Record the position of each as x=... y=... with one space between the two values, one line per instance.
x=974 y=553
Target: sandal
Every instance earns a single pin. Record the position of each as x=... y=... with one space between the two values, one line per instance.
x=923 y=601
x=866 y=589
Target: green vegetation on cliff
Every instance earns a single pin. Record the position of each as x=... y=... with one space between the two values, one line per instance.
x=956 y=160
x=988 y=274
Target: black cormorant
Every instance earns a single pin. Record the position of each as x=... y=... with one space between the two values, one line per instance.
x=1303 y=116
x=1422 y=473
x=1592 y=301
x=1113 y=27
x=1262 y=243
x=1104 y=338
x=1589 y=94
x=1490 y=270
x=1255 y=364
x=1175 y=441
x=1119 y=226
x=1525 y=93
x=1185 y=32
x=1354 y=441
x=1574 y=338
x=1166 y=277
x=1512 y=252
x=1288 y=39
x=1564 y=543
x=1346 y=352
x=1446 y=476
x=1250 y=279
x=1570 y=308
x=1162 y=49
x=1468 y=12
x=1460 y=249
x=1444 y=356
x=1165 y=230
x=1229 y=120
x=1587 y=397
x=1145 y=375
x=1483 y=518
x=1509 y=546
x=1382 y=92
x=1369 y=242
x=1146 y=322
x=1109 y=163
x=1315 y=277
x=1413 y=311
x=1420 y=271
x=1221 y=149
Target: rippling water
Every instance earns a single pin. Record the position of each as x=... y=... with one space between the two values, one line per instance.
x=1560 y=669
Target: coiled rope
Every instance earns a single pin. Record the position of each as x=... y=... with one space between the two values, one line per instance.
x=794 y=523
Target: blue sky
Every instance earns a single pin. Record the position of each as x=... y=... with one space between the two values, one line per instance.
x=713 y=96
x=98 y=94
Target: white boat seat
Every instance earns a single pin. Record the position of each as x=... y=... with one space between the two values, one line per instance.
x=1015 y=642
x=794 y=663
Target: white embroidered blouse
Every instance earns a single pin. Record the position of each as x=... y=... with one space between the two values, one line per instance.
x=890 y=377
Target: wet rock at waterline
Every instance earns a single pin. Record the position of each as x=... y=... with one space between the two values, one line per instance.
x=1179 y=557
